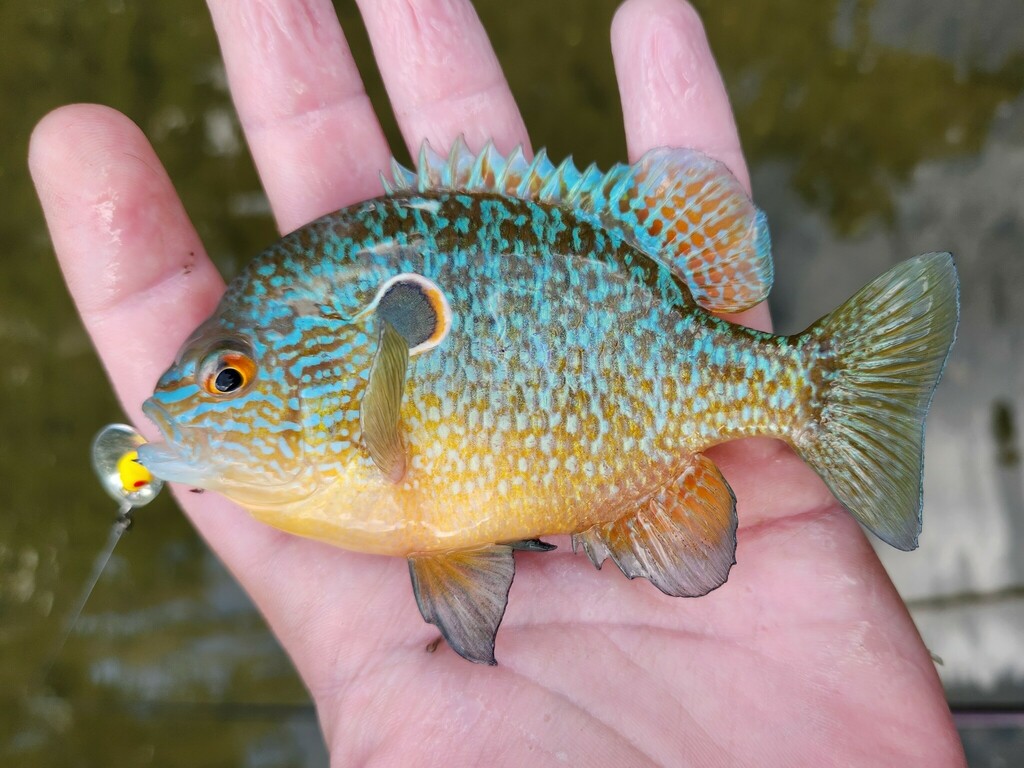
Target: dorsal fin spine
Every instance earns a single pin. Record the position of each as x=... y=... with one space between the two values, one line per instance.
x=587 y=182
x=403 y=177
x=554 y=189
x=515 y=168
x=619 y=189
x=460 y=164
x=423 y=168
x=487 y=167
x=537 y=172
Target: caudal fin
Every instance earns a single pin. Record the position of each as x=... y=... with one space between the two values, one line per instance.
x=881 y=355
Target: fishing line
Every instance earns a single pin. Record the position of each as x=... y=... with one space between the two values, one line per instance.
x=115 y=461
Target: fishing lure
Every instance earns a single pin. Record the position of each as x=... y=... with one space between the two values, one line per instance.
x=115 y=460
x=500 y=349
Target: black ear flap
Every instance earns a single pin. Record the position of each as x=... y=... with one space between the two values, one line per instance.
x=416 y=308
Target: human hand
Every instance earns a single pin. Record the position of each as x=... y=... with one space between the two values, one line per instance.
x=805 y=656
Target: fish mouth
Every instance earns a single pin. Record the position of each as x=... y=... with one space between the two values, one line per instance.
x=187 y=457
x=170 y=460
x=159 y=415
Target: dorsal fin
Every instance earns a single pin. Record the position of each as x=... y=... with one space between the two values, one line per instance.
x=676 y=205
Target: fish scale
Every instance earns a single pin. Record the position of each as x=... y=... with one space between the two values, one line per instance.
x=500 y=349
x=562 y=468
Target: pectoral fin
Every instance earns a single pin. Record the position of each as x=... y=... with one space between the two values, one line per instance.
x=380 y=410
x=464 y=595
x=683 y=540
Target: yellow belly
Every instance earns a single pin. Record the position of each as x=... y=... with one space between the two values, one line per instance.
x=447 y=510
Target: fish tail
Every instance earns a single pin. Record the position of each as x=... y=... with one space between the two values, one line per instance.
x=878 y=359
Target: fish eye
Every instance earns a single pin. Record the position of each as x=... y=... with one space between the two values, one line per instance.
x=228 y=380
x=226 y=372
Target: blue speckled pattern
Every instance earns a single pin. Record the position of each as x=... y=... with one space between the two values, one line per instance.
x=580 y=375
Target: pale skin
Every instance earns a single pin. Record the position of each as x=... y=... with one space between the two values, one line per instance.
x=807 y=655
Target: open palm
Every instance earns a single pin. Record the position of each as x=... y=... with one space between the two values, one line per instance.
x=807 y=656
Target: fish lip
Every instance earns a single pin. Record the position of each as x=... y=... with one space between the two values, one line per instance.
x=166 y=463
x=168 y=460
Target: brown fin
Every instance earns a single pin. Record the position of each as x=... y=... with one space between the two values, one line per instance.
x=381 y=406
x=683 y=540
x=464 y=595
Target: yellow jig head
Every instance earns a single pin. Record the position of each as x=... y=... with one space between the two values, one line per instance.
x=115 y=453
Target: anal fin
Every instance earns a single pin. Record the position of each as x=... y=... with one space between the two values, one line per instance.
x=683 y=539
x=464 y=595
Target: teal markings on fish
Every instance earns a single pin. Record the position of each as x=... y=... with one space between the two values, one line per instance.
x=565 y=375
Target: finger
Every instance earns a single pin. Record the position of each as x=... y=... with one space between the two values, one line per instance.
x=441 y=74
x=142 y=283
x=672 y=92
x=130 y=256
x=310 y=126
x=672 y=95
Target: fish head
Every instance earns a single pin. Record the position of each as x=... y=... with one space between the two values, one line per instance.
x=229 y=419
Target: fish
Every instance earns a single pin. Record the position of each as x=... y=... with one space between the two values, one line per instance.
x=499 y=349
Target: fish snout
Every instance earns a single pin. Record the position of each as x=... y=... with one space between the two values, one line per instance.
x=174 y=460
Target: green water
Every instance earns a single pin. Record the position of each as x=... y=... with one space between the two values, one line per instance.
x=841 y=107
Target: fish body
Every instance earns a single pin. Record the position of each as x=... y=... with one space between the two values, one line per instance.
x=499 y=350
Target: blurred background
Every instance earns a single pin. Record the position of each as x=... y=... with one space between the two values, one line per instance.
x=875 y=130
